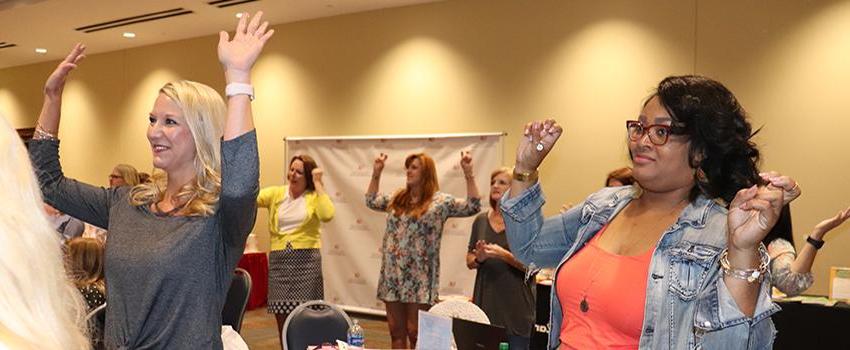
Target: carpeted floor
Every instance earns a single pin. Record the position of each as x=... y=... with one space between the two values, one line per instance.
x=260 y=331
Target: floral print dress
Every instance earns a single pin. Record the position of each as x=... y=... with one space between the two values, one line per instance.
x=410 y=268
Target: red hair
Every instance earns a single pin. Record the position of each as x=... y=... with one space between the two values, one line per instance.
x=401 y=202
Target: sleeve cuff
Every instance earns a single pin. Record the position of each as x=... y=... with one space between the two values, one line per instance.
x=526 y=204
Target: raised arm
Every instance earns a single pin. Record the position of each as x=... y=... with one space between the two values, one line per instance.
x=377 y=169
x=466 y=165
x=239 y=154
x=538 y=139
x=804 y=261
x=533 y=239
x=752 y=213
x=82 y=201
x=238 y=56
x=51 y=109
x=325 y=208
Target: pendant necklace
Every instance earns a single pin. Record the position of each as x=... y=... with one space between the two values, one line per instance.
x=584 y=306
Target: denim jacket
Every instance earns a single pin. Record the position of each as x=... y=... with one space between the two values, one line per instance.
x=687 y=303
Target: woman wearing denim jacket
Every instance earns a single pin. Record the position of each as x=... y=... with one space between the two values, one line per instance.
x=666 y=265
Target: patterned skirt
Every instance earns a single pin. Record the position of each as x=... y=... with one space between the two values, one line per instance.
x=295 y=276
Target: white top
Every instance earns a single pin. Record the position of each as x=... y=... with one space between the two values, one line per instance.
x=291 y=213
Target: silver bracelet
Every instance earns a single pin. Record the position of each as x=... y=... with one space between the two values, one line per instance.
x=749 y=275
x=41 y=134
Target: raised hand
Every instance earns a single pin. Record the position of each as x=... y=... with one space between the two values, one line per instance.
x=380 y=161
x=790 y=187
x=317 y=175
x=466 y=163
x=538 y=139
x=752 y=214
x=827 y=225
x=55 y=83
x=238 y=55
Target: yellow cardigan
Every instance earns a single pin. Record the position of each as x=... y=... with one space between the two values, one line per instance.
x=319 y=209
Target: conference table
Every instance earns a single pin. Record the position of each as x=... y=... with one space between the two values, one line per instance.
x=799 y=325
x=257 y=265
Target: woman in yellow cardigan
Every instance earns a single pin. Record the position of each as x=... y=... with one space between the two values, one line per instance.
x=296 y=212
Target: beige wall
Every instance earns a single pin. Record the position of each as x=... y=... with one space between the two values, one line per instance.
x=463 y=66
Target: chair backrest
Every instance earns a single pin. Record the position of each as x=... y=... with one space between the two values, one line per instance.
x=97 y=320
x=461 y=309
x=237 y=299
x=313 y=323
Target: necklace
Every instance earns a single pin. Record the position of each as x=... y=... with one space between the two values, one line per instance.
x=584 y=305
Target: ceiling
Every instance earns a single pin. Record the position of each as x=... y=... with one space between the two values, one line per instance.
x=56 y=25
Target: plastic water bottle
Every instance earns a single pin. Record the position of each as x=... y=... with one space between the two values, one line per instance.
x=355 y=335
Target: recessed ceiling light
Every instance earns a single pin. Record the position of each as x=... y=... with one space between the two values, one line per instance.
x=129 y=35
x=40 y=51
x=239 y=15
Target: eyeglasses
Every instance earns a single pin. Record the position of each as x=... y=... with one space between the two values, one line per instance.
x=658 y=133
x=113 y=176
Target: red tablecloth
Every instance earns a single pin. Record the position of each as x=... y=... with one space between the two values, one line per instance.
x=257 y=264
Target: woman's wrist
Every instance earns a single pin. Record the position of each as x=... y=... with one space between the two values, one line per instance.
x=237 y=76
x=743 y=258
x=817 y=234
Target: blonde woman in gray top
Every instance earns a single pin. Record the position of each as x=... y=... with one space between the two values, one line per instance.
x=174 y=242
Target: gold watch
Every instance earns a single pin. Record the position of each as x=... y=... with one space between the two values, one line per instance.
x=524 y=176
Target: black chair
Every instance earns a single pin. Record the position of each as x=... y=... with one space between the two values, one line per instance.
x=237 y=298
x=97 y=320
x=313 y=323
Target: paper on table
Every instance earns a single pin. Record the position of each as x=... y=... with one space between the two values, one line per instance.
x=839 y=283
x=435 y=332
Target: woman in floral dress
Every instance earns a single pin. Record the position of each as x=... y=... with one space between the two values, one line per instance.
x=410 y=269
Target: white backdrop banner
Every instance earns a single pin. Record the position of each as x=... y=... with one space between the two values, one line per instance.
x=351 y=242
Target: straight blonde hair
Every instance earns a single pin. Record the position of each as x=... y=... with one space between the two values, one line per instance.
x=204 y=110
x=41 y=309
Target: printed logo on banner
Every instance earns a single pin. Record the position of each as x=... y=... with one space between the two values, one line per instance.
x=377 y=254
x=362 y=171
x=456 y=172
x=339 y=198
x=336 y=250
x=359 y=225
x=357 y=279
x=453 y=229
x=451 y=288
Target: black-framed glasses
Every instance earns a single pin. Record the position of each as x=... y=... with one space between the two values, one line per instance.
x=658 y=133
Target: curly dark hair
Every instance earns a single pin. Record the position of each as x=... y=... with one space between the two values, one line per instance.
x=720 y=136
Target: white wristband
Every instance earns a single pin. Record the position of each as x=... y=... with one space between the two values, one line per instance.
x=234 y=89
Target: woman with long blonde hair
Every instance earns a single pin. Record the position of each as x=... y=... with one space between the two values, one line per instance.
x=41 y=308
x=173 y=242
x=410 y=268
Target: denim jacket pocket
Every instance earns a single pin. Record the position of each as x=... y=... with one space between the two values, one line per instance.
x=690 y=265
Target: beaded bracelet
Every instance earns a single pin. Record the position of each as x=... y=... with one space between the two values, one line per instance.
x=750 y=275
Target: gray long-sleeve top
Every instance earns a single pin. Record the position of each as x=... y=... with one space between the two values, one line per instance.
x=166 y=277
